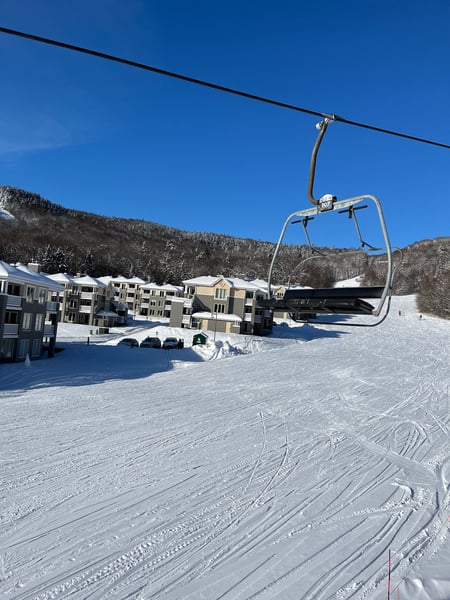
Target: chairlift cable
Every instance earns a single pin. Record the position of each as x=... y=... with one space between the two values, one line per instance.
x=215 y=86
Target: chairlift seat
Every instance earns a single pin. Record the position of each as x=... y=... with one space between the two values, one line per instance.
x=326 y=301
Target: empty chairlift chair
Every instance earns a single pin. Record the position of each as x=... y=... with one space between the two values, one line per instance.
x=307 y=304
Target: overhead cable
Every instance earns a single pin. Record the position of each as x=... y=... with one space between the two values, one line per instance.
x=215 y=86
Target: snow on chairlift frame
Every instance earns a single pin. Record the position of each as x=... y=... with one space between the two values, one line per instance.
x=313 y=302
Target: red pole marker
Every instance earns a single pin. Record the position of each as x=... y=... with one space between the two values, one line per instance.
x=389 y=576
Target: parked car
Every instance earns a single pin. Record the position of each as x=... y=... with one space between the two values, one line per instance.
x=151 y=342
x=170 y=342
x=128 y=342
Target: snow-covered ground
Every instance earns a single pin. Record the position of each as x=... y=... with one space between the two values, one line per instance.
x=254 y=468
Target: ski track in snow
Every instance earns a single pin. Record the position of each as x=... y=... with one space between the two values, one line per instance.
x=274 y=469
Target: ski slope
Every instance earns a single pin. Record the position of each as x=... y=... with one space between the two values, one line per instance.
x=284 y=467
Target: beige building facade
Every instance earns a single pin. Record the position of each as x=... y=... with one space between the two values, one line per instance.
x=228 y=305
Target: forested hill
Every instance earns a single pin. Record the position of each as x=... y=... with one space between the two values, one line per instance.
x=64 y=240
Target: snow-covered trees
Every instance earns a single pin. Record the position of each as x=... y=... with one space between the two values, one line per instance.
x=79 y=242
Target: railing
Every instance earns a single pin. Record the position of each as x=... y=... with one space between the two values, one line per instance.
x=14 y=302
x=87 y=295
x=52 y=307
x=84 y=309
x=49 y=330
x=10 y=329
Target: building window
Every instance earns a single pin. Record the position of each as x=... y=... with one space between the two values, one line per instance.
x=11 y=317
x=71 y=317
x=13 y=289
x=219 y=308
x=42 y=296
x=30 y=293
x=39 y=322
x=26 y=323
x=220 y=294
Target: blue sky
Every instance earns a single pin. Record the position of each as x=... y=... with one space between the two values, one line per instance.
x=105 y=138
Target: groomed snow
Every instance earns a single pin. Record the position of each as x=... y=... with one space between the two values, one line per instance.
x=284 y=467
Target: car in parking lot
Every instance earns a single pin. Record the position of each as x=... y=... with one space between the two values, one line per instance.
x=170 y=342
x=128 y=342
x=151 y=342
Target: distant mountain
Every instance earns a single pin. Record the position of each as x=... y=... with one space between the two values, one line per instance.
x=64 y=240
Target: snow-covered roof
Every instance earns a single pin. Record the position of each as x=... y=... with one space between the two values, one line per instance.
x=88 y=280
x=121 y=279
x=247 y=284
x=61 y=277
x=118 y=279
x=168 y=287
x=235 y=282
x=203 y=280
x=22 y=274
x=106 y=279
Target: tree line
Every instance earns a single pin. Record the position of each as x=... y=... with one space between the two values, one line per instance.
x=66 y=240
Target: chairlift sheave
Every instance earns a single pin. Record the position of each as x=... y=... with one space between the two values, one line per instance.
x=309 y=304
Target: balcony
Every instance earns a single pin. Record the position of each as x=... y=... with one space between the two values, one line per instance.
x=49 y=330
x=87 y=295
x=14 y=302
x=10 y=330
x=52 y=307
x=187 y=303
x=84 y=309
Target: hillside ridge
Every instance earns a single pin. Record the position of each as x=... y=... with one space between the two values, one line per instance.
x=68 y=240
